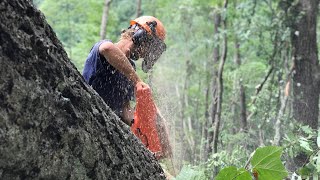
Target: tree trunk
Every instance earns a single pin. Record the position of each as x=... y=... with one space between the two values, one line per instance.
x=216 y=54
x=306 y=65
x=217 y=120
x=52 y=124
x=206 y=124
x=186 y=119
x=241 y=95
x=305 y=53
x=139 y=13
x=104 y=19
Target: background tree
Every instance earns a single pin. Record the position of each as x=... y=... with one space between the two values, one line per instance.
x=104 y=19
x=306 y=66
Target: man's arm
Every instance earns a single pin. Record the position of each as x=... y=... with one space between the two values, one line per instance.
x=118 y=60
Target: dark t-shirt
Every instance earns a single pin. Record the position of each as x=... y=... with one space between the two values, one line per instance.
x=109 y=83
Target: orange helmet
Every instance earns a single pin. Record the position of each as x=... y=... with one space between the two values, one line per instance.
x=144 y=22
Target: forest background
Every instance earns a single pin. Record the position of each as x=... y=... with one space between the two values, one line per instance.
x=230 y=81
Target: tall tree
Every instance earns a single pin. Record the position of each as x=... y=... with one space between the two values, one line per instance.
x=104 y=19
x=240 y=95
x=219 y=95
x=216 y=55
x=306 y=66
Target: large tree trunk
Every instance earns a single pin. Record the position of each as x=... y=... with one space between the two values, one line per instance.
x=306 y=67
x=305 y=52
x=52 y=125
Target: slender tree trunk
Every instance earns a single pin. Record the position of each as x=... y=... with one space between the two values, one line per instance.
x=243 y=108
x=241 y=94
x=206 y=123
x=217 y=120
x=186 y=120
x=284 y=96
x=180 y=144
x=138 y=13
x=104 y=20
x=220 y=88
x=216 y=54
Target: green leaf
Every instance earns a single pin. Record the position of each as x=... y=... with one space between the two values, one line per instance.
x=232 y=173
x=306 y=129
x=266 y=162
x=189 y=173
x=307 y=170
x=304 y=144
x=317 y=162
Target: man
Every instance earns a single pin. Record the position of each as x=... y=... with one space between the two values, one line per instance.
x=110 y=67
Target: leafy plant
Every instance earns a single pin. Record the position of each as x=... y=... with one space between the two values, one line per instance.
x=265 y=165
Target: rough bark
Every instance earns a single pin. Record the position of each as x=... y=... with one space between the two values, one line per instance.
x=305 y=52
x=52 y=125
x=306 y=68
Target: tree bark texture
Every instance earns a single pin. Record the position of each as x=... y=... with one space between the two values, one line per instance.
x=53 y=125
x=306 y=69
x=306 y=64
x=104 y=19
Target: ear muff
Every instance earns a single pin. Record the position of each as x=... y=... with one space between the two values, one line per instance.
x=139 y=36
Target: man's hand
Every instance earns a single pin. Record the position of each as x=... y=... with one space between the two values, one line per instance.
x=141 y=85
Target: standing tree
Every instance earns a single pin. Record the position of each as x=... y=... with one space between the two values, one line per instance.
x=139 y=12
x=104 y=20
x=306 y=82
x=52 y=125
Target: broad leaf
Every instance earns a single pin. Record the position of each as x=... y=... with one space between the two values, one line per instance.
x=267 y=164
x=232 y=173
x=305 y=144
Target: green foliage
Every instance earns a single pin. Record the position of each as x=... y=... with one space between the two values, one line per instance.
x=191 y=173
x=233 y=173
x=265 y=162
